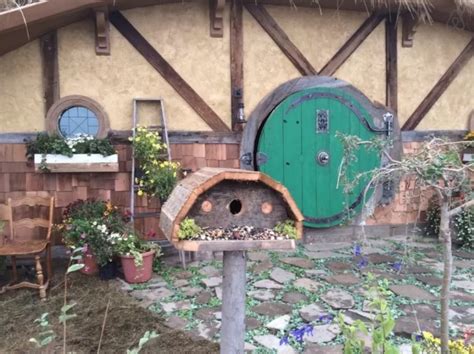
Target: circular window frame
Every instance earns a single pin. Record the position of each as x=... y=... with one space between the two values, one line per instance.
x=57 y=109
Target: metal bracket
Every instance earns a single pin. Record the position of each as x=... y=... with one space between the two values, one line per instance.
x=262 y=158
x=322 y=121
x=246 y=159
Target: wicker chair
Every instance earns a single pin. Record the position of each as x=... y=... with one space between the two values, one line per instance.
x=25 y=239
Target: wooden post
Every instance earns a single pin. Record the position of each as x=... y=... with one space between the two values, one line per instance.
x=233 y=303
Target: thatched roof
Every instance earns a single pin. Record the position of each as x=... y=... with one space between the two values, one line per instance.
x=25 y=20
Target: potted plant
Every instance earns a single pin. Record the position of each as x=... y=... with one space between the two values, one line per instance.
x=156 y=176
x=80 y=153
x=93 y=226
x=136 y=257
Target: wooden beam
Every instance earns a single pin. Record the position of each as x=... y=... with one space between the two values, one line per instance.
x=440 y=87
x=236 y=61
x=166 y=70
x=391 y=92
x=102 y=32
x=49 y=59
x=281 y=39
x=216 y=18
x=351 y=45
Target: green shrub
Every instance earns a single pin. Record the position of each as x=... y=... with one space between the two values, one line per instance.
x=464 y=226
x=433 y=219
x=188 y=228
x=286 y=227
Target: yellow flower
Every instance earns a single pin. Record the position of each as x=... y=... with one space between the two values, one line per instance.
x=140 y=192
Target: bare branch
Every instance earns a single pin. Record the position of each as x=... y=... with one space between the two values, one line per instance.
x=460 y=208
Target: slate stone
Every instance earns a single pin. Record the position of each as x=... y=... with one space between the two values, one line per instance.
x=407 y=325
x=169 y=307
x=343 y=279
x=267 y=284
x=463 y=314
x=272 y=309
x=338 y=266
x=210 y=271
x=219 y=292
x=312 y=312
x=262 y=295
x=249 y=348
x=273 y=342
x=212 y=282
x=190 y=291
x=258 y=256
x=323 y=334
x=152 y=295
x=416 y=269
x=379 y=258
x=252 y=323
x=338 y=299
x=180 y=283
x=298 y=262
x=185 y=274
x=412 y=292
x=294 y=297
x=312 y=348
x=281 y=276
x=306 y=283
x=279 y=323
x=315 y=272
x=461 y=296
x=350 y=316
x=207 y=330
x=463 y=254
x=262 y=267
x=322 y=254
x=207 y=313
x=204 y=297
x=463 y=284
x=326 y=246
x=430 y=280
x=175 y=322
x=123 y=285
x=423 y=311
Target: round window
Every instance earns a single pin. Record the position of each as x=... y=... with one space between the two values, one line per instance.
x=78 y=120
x=73 y=115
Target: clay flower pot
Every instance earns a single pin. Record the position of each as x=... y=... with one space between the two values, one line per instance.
x=90 y=264
x=141 y=274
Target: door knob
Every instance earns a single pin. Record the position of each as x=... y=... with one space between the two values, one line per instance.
x=323 y=158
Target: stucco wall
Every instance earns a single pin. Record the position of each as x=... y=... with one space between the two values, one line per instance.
x=180 y=32
x=21 y=101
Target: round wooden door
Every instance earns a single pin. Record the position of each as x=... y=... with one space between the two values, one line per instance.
x=298 y=147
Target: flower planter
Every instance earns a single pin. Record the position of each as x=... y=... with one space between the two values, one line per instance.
x=90 y=264
x=134 y=274
x=108 y=271
x=77 y=163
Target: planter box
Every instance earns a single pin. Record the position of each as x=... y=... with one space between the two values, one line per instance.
x=78 y=163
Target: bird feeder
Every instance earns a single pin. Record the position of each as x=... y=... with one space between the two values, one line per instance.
x=221 y=198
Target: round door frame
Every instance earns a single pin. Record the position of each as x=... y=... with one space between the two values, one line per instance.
x=259 y=115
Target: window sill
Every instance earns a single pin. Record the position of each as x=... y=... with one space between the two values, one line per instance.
x=77 y=163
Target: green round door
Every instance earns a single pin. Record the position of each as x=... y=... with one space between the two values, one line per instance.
x=298 y=147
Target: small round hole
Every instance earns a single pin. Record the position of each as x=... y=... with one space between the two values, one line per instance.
x=206 y=206
x=267 y=208
x=235 y=206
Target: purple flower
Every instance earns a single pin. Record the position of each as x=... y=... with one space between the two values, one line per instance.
x=300 y=332
x=418 y=337
x=284 y=340
x=357 y=250
x=397 y=266
x=326 y=318
x=83 y=236
x=363 y=263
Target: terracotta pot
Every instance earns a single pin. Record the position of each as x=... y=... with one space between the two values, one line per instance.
x=134 y=274
x=90 y=264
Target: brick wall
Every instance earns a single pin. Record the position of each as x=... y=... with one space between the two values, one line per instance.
x=18 y=178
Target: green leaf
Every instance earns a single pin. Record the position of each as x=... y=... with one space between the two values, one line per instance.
x=67 y=307
x=388 y=326
x=74 y=268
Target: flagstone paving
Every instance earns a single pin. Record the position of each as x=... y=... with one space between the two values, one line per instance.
x=312 y=285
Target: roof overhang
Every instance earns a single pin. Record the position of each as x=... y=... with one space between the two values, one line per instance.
x=21 y=25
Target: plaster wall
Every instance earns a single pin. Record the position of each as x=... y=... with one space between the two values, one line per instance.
x=180 y=32
x=21 y=101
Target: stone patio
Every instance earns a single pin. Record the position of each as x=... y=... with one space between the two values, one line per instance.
x=286 y=290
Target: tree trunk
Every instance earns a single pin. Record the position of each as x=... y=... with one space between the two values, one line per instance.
x=445 y=238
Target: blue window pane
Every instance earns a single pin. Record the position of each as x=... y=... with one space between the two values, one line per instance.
x=78 y=120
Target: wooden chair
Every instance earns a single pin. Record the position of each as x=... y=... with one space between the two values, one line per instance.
x=26 y=240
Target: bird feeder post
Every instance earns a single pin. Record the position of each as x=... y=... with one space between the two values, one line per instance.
x=233 y=303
